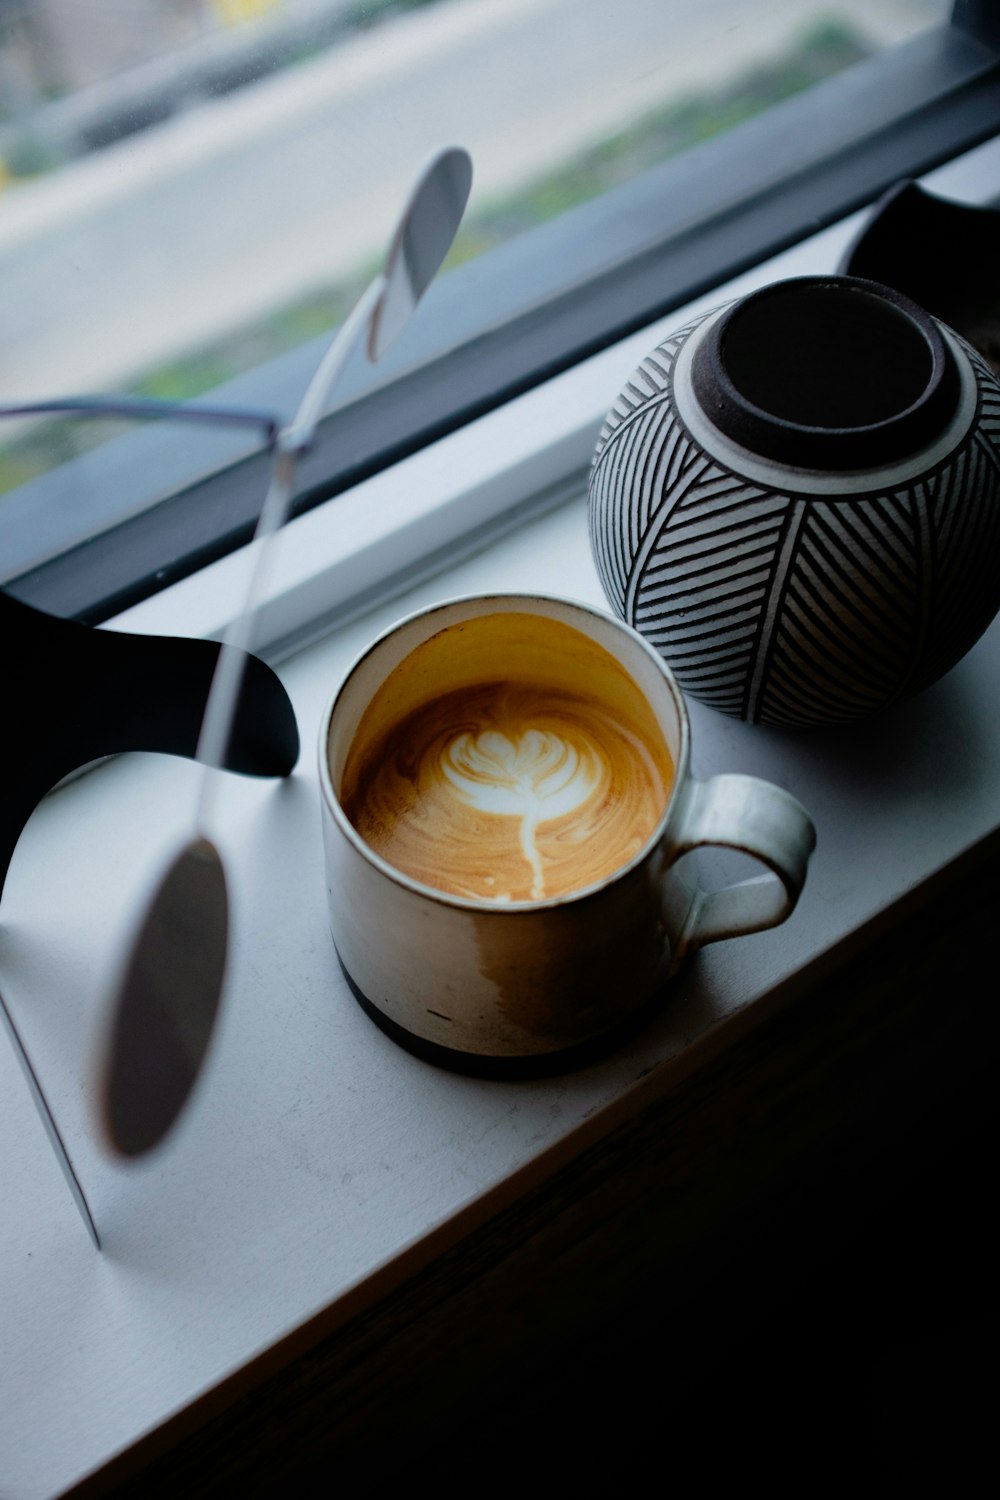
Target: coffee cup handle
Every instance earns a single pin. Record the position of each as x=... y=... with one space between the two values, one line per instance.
x=753 y=817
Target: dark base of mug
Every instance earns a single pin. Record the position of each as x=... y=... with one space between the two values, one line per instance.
x=484 y=1065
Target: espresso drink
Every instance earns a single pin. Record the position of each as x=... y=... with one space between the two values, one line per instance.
x=508 y=758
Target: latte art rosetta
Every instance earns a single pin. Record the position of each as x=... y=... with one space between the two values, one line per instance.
x=507 y=792
x=535 y=778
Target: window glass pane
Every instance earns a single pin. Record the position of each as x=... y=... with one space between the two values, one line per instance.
x=190 y=188
x=66 y=476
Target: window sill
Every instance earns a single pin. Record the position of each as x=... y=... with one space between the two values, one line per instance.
x=320 y=1166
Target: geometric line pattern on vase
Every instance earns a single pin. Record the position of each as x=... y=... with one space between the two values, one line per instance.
x=634 y=432
x=842 y=643
x=783 y=607
x=649 y=382
x=888 y=592
x=964 y=507
x=967 y=541
x=701 y=588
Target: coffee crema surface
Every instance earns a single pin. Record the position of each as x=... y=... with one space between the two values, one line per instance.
x=508 y=758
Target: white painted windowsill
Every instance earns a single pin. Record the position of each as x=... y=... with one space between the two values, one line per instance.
x=317 y=1155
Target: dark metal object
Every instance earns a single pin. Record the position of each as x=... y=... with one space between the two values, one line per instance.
x=75 y=694
x=942 y=254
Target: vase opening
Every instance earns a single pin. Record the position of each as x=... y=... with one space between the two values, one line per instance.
x=831 y=372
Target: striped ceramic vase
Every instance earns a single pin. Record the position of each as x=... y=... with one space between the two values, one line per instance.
x=796 y=499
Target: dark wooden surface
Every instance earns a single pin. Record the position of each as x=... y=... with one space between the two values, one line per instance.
x=783 y=1275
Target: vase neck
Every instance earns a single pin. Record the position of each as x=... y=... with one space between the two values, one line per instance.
x=828 y=373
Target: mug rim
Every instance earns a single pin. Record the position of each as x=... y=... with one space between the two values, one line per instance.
x=331 y=802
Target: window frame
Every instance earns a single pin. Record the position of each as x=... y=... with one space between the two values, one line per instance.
x=504 y=324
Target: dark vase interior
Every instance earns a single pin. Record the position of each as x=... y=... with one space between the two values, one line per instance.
x=827 y=372
x=834 y=359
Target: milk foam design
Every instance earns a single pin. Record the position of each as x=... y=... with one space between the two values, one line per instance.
x=509 y=758
x=508 y=792
x=533 y=777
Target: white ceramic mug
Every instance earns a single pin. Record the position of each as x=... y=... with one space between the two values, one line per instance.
x=491 y=973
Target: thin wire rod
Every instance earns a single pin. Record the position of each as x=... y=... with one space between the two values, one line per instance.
x=143 y=406
x=48 y=1120
x=293 y=441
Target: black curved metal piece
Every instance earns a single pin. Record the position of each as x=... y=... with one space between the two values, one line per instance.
x=75 y=694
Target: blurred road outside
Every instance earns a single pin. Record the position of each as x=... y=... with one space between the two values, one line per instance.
x=161 y=242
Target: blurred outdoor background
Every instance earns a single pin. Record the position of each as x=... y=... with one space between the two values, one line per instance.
x=189 y=188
